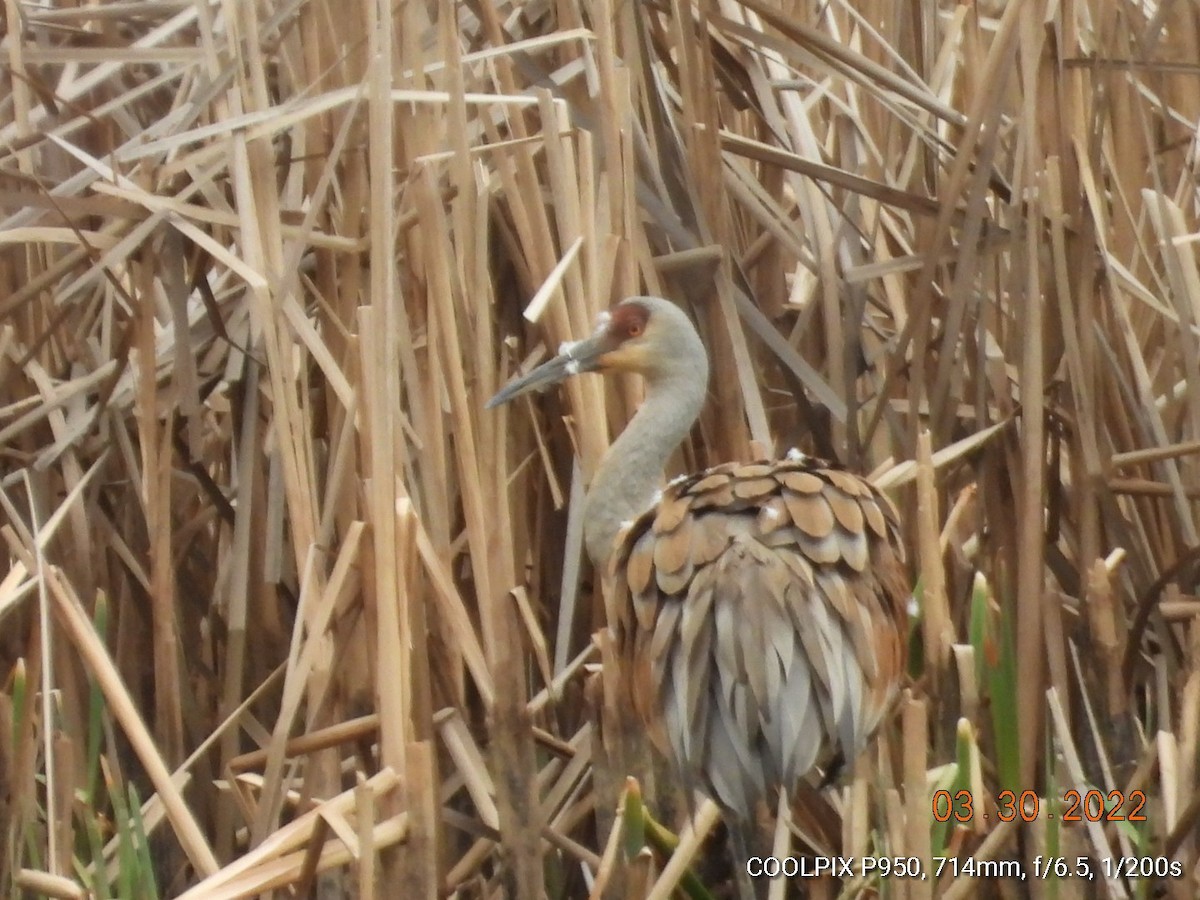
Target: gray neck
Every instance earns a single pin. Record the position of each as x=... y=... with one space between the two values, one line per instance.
x=631 y=472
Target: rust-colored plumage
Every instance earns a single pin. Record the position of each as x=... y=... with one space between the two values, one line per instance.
x=759 y=609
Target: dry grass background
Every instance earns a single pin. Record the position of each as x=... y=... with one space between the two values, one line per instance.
x=282 y=596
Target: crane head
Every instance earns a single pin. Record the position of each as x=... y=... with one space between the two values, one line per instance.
x=627 y=339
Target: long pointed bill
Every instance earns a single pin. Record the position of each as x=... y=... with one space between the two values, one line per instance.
x=573 y=359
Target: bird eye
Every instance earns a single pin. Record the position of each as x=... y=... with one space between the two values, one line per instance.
x=635 y=329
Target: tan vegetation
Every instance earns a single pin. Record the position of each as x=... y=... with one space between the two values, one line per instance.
x=285 y=609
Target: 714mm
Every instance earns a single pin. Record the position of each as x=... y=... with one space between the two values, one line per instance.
x=978 y=868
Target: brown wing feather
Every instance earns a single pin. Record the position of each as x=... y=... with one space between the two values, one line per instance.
x=761 y=612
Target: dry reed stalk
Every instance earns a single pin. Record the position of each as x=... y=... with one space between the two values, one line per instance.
x=917 y=803
x=938 y=630
x=69 y=613
x=702 y=822
x=1030 y=601
x=48 y=885
x=997 y=841
x=365 y=838
x=1070 y=756
x=265 y=859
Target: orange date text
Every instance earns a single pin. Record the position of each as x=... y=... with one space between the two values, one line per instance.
x=964 y=806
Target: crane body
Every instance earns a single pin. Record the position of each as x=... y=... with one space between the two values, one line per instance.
x=759 y=608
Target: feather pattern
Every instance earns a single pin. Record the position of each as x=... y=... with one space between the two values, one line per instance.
x=770 y=602
x=758 y=610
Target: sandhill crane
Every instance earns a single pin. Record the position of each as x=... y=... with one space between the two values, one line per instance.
x=759 y=608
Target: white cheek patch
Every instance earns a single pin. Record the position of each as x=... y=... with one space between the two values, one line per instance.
x=603 y=319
